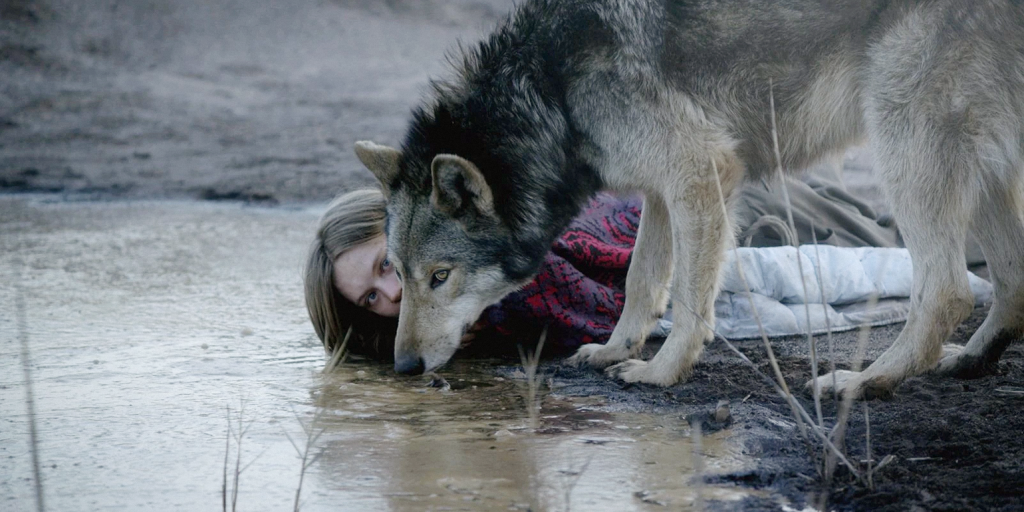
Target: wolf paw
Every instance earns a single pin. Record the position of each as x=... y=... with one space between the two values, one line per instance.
x=855 y=385
x=956 y=363
x=634 y=370
x=845 y=381
x=597 y=356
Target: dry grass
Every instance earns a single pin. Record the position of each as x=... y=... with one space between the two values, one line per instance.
x=339 y=355
x=30 y=403
x=236 y=431
x=831 y=440
x=312 y=436
x=531 y=361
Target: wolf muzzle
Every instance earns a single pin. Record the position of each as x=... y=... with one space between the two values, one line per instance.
x=409 y=364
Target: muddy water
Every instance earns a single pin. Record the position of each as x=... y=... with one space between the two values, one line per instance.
x=153 y=326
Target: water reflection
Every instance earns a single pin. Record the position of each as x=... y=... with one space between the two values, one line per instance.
x=148 y=319
x=397 y=444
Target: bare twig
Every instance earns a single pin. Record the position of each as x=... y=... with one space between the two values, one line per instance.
x=1009 y=391
x=312 y=436
x=30 y=403
x=237 y=432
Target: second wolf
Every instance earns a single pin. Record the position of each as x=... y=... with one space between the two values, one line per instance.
x=674 y=99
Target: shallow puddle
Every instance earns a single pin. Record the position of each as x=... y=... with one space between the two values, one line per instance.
x=395 y=443
x=154 y=325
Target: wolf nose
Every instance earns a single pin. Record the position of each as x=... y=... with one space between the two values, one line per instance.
x=409 y=365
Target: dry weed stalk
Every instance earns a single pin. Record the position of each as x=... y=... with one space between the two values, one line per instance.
x=312 y=436
x=30 y=403
x=781 y=386
x=867 y=446
x=800 y=415
x=815 y=391
x=571 y=478
x=828 y=321
x=237 y=432
x=530 y=363
x=839 y=430
x=338 y=356
x=227 y=454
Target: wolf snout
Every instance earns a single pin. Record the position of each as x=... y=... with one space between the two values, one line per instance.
x=409 y=364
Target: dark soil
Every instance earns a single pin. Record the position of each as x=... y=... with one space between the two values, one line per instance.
x=262 y=100
x=958 y=444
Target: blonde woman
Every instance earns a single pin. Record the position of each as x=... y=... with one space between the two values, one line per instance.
x=352 y=225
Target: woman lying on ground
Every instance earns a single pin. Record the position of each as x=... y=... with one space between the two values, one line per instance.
x=354 y=296
x=351 y=285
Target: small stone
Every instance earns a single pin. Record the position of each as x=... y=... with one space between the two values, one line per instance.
x=503 y=434
x=246 y=331
x=722 y=412
x=437 y=381
x=204 y=346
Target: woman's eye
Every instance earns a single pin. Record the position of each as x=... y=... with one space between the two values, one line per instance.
x=385 y=264
x=438 y=278
x=372 y=297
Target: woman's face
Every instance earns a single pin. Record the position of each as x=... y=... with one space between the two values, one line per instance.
x=364 y=276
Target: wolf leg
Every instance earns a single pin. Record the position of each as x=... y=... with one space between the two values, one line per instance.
x=700 y=233
x=932 y=184
x=1000 y=230
x=940 y=300
x=646 y=290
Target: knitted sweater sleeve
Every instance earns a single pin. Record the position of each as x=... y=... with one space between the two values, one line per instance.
x=578 y=293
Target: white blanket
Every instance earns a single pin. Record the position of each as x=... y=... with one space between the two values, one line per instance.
x=850 y=277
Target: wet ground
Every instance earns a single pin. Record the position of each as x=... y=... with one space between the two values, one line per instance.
x=147 y=321
x=158 y=313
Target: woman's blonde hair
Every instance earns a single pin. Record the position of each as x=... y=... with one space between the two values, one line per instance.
x=350 y=220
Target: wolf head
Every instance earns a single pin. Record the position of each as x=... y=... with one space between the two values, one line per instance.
x=450 y=247
x=491 y=171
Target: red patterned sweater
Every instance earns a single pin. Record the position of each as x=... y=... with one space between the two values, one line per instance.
x=578 y=293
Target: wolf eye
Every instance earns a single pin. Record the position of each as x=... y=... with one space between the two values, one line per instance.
x=438 y=278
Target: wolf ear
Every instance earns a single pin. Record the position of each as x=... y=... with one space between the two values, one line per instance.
x=458 y=184
x=382 y=161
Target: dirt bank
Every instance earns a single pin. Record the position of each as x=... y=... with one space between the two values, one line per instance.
x=956 y=443
x=251 y=100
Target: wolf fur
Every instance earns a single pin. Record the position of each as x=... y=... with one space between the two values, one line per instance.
x=671 y=98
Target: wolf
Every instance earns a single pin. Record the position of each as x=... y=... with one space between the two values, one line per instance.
x=676 y=99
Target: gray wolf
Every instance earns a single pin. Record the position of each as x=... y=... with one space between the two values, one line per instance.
x=671 y=98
